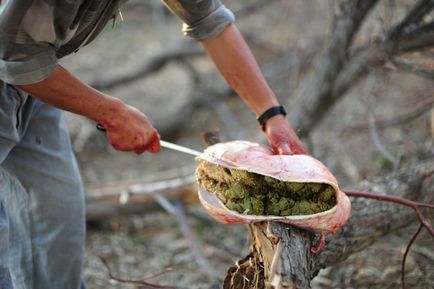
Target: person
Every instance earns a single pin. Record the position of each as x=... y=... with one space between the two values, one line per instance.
x=42 y=226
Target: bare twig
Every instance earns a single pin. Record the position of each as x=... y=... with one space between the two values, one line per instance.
x=401 y=201
x=178 y=212
x=200 y=258
x=405 y=202
x=407 y=249
x=141 y=281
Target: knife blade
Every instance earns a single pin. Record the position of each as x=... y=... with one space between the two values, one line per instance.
x=179 y=148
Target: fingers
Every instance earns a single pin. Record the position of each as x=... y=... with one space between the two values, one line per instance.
x=284 y=149
x=123 y=141
x=299 y=149
x=289 y=147
x=154 y=144
x=140 y=149
x=282 y=137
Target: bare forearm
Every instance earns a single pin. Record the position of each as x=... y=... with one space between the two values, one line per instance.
x=61 y=89
x=127 y=128
x=235 y=61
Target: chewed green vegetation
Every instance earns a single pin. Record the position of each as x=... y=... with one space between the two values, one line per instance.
x=255 y=194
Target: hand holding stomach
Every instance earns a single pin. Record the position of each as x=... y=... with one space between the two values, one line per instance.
x=282 y=138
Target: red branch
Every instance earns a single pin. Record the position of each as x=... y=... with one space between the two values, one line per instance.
x=400 y=201
x=405 y=202
x=404 y=258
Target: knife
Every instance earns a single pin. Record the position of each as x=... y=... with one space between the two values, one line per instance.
x=165 y=144
x=179 y=148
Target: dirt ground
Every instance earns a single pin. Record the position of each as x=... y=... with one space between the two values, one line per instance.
x=145 y=244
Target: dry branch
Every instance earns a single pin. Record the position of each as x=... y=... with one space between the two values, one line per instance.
x=178 y=212
x=143 y=281
x=135 y=197
x=340 y=69
x=316 y=97
x=416 y=206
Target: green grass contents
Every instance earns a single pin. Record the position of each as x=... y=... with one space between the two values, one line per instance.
x=255 y=194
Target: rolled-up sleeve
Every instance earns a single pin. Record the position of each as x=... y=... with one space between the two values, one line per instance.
x=27 y=53
x=29 y=68
x=202 y=19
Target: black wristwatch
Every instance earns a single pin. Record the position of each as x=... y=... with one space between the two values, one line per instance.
x=269 y=113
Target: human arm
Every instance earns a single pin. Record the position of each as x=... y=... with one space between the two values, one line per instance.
x=31 y=32
x=127 y=128
x=211 y=23
x=236 y=63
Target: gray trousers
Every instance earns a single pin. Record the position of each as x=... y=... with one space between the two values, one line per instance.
x=42 y=227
